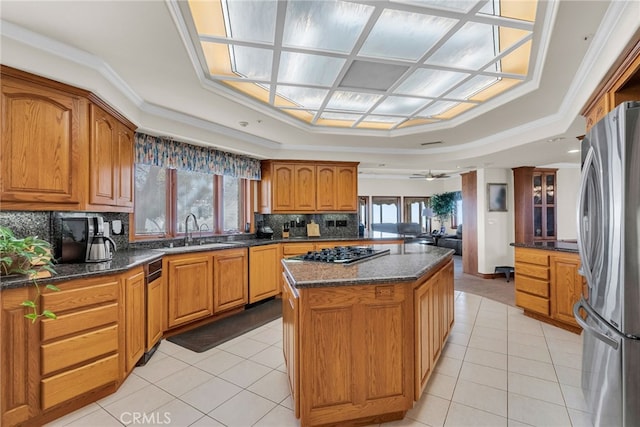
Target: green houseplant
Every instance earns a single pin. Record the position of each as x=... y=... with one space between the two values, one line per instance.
x=28 y=256
x=444 y=204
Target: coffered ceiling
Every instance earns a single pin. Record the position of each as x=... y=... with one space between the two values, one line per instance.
x=147 y=59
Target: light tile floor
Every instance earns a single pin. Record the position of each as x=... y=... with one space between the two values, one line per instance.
x=498 y=368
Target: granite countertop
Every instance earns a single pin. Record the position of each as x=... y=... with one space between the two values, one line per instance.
x=552 y=245
x=122 y=261
x=405 y=263
x=125 y=260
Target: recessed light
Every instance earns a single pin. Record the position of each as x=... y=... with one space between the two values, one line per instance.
x=573 y=151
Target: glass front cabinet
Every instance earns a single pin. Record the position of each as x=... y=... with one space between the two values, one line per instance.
x=535 y=204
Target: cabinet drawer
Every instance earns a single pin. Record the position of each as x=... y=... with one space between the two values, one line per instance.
x=68 y=299
x=71 y=351
x=532 y=303
x=76 y=382
x=532 y=256
x=532 y=286
x=78 y=321
x=530 y=270
x=291 y=249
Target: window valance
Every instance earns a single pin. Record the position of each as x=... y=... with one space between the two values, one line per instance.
x=165 y=152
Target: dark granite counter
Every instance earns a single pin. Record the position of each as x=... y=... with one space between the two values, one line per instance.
x=121 y=262
x=125 y=260
x=405 y=263
x=552 y=245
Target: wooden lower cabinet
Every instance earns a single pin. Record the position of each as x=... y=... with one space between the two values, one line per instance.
x=189 y=287
x=135 y=310
x=230 y=279
x=362 y=354
x=548 y=285
x=264 y=272
x=155 y=312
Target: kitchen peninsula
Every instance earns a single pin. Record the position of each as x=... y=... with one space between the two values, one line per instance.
x=361 y=340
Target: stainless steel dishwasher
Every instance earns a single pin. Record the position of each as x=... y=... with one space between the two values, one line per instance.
x=153 y=309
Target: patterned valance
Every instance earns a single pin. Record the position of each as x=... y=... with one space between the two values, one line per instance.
x=165 y=152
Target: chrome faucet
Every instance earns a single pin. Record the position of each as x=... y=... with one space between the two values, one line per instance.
x=206 y=227
x=188 y=237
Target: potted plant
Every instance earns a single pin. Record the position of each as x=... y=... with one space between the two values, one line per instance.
x=443 y=205
x=28 y=256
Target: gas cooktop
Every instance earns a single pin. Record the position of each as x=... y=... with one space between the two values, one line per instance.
x=342 y=254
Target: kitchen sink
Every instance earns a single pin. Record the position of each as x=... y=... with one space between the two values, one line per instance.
x=200 y=248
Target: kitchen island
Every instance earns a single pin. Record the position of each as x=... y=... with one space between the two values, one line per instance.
x=360 y=341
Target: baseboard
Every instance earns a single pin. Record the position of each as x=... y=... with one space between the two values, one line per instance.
x=490 y=275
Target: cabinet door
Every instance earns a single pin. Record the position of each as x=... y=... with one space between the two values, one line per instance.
x=124 y=172
x=264 y=272
x=19 y=359
x=230 y=280
x=135 y=318
x=346 y=190
x=435 y=318
x=422 y=321
x=290 y=342
x=566 y=287
x=326 y=186
x=282 y=187
x=154 y=307
x=42 y=136
x=304 y=183
x=190 y=288
x=103 y=161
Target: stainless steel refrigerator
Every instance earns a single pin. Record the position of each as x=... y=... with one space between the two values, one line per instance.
x=608 y=238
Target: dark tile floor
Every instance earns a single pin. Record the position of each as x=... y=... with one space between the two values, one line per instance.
x=496 y=289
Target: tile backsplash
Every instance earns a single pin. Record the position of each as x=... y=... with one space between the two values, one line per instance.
x=337 y=225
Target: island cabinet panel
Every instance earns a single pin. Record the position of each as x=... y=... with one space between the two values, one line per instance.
x=265 y=272
x=290 y=341
x=190 y=287
x=43 y=132
x=358 y=352
x=566 y=286
x=19 y=359
x=135 y=311
x=230 y=279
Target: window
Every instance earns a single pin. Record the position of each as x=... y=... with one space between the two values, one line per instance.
x=414 y=210
x=165 y=197
x=194 y=196
x=385 y=210
x=456 y=216
x=363 y=211
x=150 y=200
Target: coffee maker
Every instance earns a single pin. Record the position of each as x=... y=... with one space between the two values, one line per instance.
x=83 y=239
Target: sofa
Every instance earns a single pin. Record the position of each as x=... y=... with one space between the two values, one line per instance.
x=452 y=241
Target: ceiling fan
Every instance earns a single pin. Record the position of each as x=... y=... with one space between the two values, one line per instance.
x=429 y=176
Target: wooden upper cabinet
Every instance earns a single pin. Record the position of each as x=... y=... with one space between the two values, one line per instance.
x=43 y=134
x=111 y=161
x=535 y=204
x=62 y=148
x=306 y=186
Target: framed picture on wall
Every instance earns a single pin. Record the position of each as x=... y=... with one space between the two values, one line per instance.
x=497 y=197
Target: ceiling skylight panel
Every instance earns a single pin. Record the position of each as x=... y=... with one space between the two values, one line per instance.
x=437 y=108
x=427 y=82
x=252 y=63
x=327 y=115
x=454 y=5
x=469 y=88
x=383 y=119
x=473 y=46
x=302 y=68
x=326 y=25
x=410 y=40
x=250 y=20
x=303 y=96
x=352 y=101
x=399 y=105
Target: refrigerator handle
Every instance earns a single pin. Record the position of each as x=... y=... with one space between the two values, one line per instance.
x=590 y=329
x=585 y=268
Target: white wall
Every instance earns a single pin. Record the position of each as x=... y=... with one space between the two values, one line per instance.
x=495 y=229
x=400 y=187
x=566 y=202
